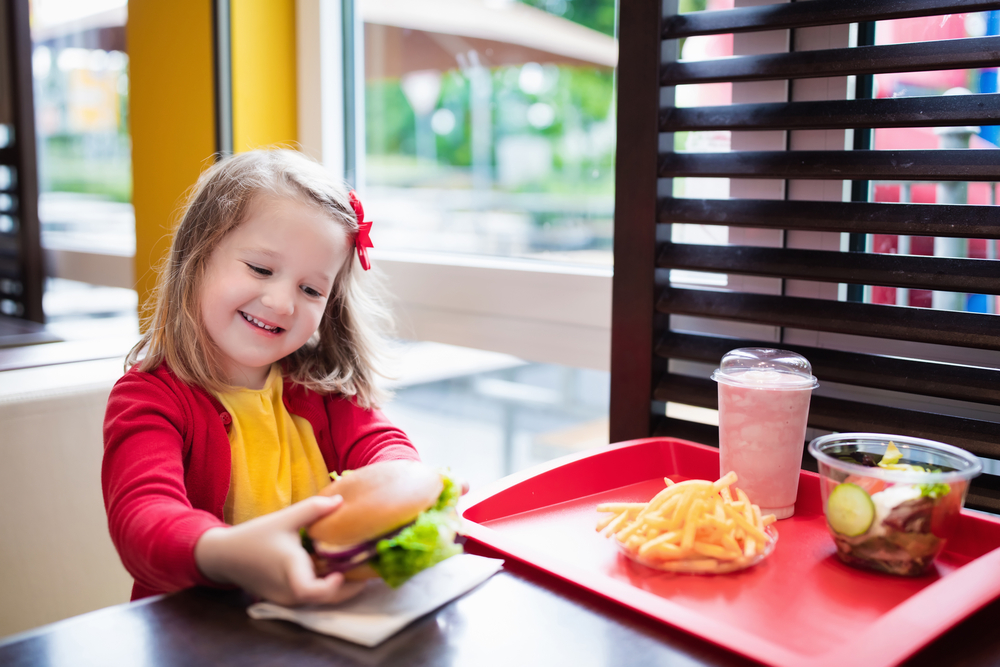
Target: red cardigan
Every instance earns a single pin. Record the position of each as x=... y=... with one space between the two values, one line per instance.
x=167 y=466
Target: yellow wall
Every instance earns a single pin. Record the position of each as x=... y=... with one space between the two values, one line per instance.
x=172 y=116
x=264 y=87
x=172 y=103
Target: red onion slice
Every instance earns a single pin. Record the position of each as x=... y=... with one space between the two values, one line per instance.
x=347 y=559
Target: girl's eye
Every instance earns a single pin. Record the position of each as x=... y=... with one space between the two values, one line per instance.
x=259 y=270
x=310 y=291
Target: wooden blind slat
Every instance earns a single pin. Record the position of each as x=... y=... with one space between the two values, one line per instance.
x=979 y=276
x=813 y=13
x=984 y=494
x=677 y=428
x=952 y=381
x=970 y=52
x=9 y=267
x=915 y=165
x=897 y=323
x=944 y=110
x=980 y=222
x=9 y=245
x=977 y=500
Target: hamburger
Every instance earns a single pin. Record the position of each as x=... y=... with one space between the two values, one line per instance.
x=398 y=518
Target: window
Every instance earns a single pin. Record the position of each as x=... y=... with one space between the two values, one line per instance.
x=486 y=164
x=767 y=203
x=66 y=222
x=80 y=70
x=491 y=130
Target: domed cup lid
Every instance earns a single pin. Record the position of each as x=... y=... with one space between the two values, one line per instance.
x=765 y=368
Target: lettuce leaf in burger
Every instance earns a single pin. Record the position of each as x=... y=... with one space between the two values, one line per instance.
x=398 y=518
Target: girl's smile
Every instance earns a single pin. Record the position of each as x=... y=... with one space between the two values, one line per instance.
x=260 y=324
x=267 y=284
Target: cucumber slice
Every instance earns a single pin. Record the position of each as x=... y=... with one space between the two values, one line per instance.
x=850 y=509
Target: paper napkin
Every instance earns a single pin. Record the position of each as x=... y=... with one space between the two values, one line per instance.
x=379 y=611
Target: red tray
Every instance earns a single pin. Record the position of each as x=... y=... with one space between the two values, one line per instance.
x=800 y=607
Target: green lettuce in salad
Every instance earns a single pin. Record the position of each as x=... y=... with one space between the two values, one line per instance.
x=934 y=491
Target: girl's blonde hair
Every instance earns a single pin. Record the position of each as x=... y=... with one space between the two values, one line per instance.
x=340 y=358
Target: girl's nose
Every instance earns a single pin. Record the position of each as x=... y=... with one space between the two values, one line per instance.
x=279 y=299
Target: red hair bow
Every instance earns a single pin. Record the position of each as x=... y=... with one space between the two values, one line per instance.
x=363 y=241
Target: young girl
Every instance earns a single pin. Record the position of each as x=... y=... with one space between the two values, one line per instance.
x=252 y=383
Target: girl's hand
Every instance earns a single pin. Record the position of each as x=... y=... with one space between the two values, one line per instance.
x=264 y=556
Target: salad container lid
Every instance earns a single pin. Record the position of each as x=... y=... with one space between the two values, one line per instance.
x=765 y=368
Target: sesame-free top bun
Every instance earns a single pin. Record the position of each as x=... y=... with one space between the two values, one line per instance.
x=378 y=498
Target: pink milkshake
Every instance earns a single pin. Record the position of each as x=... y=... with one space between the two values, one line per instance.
x=763 y=408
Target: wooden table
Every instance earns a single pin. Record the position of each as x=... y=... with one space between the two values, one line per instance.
x=520 y=617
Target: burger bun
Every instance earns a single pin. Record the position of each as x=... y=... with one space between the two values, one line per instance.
x=378 y=499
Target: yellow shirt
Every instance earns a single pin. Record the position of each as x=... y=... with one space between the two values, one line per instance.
x=276 y=461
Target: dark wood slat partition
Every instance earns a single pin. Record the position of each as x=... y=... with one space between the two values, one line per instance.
x=838 y=114
x=812 y=13
x=912 y=165
x=861 y=268
x=972 y=52
x=635 y=221
x=960 y=383
x=976 y=222
x=917 y=325
x=25 y=289
x=859 y=389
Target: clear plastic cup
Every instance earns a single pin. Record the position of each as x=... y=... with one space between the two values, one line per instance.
x=764 y=398
x=893 y=519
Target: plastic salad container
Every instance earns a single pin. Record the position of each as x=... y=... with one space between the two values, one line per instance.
x=891 y=501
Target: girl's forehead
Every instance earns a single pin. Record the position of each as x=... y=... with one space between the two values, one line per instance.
x=278 y=207
x=288 y=227
x=284 y=196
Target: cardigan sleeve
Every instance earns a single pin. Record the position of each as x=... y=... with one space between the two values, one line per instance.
x=152 y=522
x=361 y=437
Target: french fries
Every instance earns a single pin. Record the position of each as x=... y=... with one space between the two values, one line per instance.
x=691 y=526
